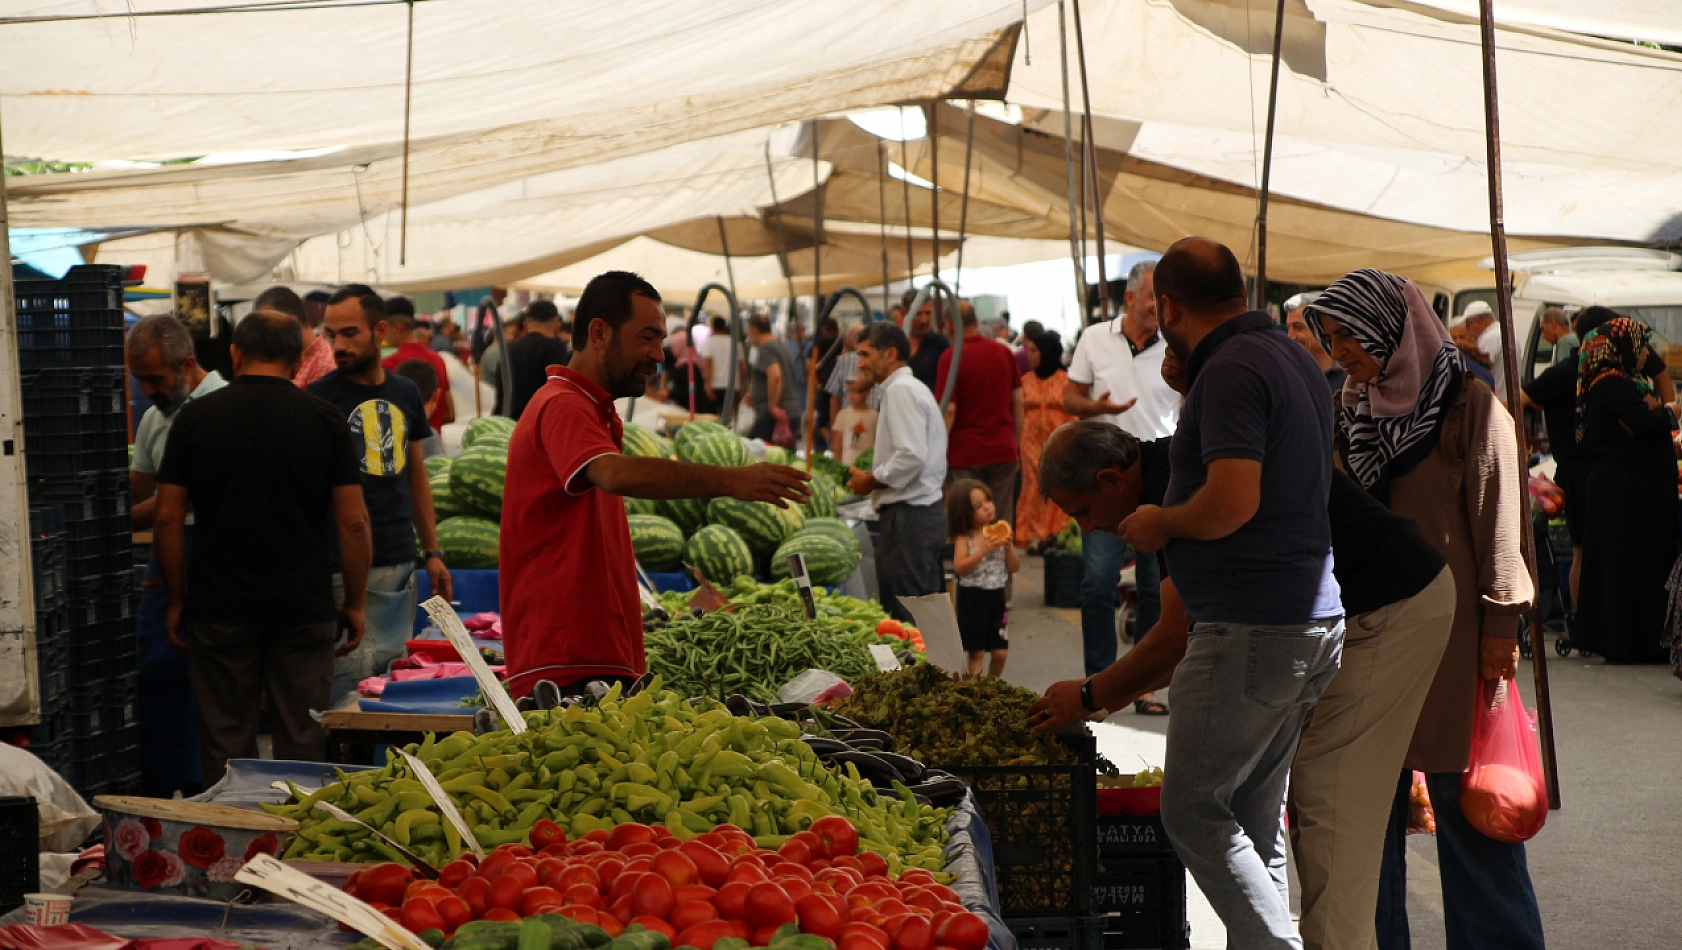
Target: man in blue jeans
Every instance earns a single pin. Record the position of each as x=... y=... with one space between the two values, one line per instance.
x=1246 y=534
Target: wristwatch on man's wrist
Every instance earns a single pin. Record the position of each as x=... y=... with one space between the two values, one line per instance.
x=1086 y=695
x=429 y=555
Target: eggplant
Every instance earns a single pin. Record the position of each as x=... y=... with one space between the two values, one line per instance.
x=862 y=736
x=913 y=770
x=872 y=769
x=824 y=747
x=942 y=793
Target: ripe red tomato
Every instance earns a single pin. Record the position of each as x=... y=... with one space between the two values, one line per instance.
x=703 y=936
x=848 y=861
x=587 y=846
x=794 y=887
x=796 y=850
x=454 y=873
x=599 y=836
x=693 y=892
x=914 y=933
x=965 y=931
x=923 y=897
x=732 y=900
x=526 y=874
x=419 y=914
x=545 y=832
x=628 y=834
x=494 y=864
x=917 y=876
x=623 y=883
x=505 y=892
x=580 y=913
x=609 y=868
x=813 y=841
x=476 y=892
x=838 y=835
x=690 y=913
x=652 y=897
x=535 y=897
x=789 y=869
x=516 y=849
x=395 y=913
x=711 y=839
x=676 y=867
x=819 y=916
x=859 y=941
x=763 y=936
x=640 y=849
x=582 y=894
x=768 y=905
x=748 y=868
x=620 y=909
x=661 y=832
x=549 y=870
x=384 y=884
x=655 y=924
x=611 y=924
x=579 y=874
x=431 y=890
x=454 y=912
x=500 y=913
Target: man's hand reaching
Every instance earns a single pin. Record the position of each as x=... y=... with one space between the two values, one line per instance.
x=776 y=484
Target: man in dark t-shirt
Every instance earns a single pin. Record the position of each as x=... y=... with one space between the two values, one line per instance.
x=531 y=355
x=268 y=472
x=387 y=421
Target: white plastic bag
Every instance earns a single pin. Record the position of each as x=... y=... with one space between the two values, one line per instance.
x=65 y=819
x=810 y=685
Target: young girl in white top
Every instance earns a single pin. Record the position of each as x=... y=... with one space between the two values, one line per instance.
x=984 y=560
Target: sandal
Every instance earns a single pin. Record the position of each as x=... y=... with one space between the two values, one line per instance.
x=1149 y=707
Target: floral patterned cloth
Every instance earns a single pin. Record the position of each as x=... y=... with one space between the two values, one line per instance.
x=317 y=362
x=1037 y=519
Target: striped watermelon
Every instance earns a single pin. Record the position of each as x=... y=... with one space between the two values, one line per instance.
x=718 y=554
x=822 y=502
x=721 y=449
x=835 y=528
x=444 y=503
x=687 y=513
x=495 y=439
x=762 y=525
x=828 y=561
x=642 y=443
x=476 y=479
x=439 y=463
x=483 y=424
x=657 y=542
x=695 y=430
x=469 y=542
x=641 y=506
x=777 y=455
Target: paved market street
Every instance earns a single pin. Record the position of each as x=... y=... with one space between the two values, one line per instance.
x=1604 y=865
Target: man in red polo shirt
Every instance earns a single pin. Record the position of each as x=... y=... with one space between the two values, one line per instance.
x=984 y=418
x=570 y=610
x=400 y=332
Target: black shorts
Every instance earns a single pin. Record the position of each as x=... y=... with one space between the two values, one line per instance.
x=1576 y=500
x=981 y=619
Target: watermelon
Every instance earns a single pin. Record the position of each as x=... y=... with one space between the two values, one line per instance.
x=835 y=528
x=642 y=443
x=777 y=455
x=439 y=463
x=657 y=542
x=483 y=424
x=476 y=479
x=695 y=430
x=761 y=524
x=822 y=502
x=828 y=561
x=719 y=554
x=468 y=541
x=494 y=438
x=724 y=450
x=641 y=506
x=444 y=503
x=687 y=513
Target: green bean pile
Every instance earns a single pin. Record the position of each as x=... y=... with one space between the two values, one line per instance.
x=753 y=650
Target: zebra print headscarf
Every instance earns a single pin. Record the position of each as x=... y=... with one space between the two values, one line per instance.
x=1389 y=424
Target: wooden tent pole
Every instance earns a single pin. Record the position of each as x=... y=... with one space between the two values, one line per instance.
x=1259 y=301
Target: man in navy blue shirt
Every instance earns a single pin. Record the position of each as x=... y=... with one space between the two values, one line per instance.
x=1246 y=534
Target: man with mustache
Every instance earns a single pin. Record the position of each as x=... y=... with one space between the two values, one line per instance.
x=570 y=609
x=387 y=419
x=160 y=356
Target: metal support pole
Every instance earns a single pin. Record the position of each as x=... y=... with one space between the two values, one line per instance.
x=882 y=217
x=1075 y=235
x=846 y=290
x=1092 y=168
x=963 y=207
x=905 y=183
x=936 y=284
x=728 y=410
x=1260 y=300
x=934 y=191
x=408 y=86
x=1509 y=368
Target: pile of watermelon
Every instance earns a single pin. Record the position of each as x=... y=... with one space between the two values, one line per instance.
x=724 y=538
x=467 y=493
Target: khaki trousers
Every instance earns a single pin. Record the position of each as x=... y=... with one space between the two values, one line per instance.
x=1344 y=778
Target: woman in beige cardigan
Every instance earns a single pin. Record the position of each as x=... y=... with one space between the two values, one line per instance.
x=1433 y=443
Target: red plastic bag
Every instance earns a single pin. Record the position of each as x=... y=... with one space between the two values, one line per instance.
x=1502 y=792
x=1549 y=496
x=782 y=433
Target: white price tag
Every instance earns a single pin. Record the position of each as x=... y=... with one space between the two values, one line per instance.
x=884 y=656
x=333 y=811
x=445 y=806
x=265 y=872
x=496 y=697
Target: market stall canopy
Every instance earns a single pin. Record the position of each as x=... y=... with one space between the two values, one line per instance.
x=1380 y=105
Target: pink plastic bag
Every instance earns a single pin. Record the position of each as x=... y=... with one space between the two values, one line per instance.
x=1502 y=793
x=782 y=433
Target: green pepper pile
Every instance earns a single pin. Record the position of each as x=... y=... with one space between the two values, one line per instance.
x=654 y=758
x=838 y=610
x=754 y=650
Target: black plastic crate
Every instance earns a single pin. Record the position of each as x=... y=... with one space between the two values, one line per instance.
x=1057 y=933
x=20 y=859
x=47 y=566
x=91 y=773
x=98 y=390
x=46 y=521
x=103 y=709
x=45 y=349
x=89 y=496
x=1064 y=573
x=52 y=465
x=1143 y=903
x=1042 y=819
x=53 y=674
x=78 y=306
x=100 y=651
x=1129 y=835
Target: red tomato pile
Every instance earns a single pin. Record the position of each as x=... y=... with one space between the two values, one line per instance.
x=715 y=885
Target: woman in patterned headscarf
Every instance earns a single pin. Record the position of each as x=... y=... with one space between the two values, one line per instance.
x=1433 y=443
x=1629 y=517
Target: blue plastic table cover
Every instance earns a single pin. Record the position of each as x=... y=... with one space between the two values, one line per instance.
x=436 y=697
x=474 y=592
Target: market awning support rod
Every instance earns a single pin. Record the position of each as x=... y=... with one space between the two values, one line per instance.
x=1075 y=236
x=1091 y=151
x=1260 y=299
x=928 y=292
x=408 y=89
x=963 y=207
x=846 y=290
x=1509 y=370
x=728 y=410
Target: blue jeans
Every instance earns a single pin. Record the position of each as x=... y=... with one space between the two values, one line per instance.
x=1240 y=696
x=1102 y=555
x=1488 y=901
x=390 y=613
x=164 y=707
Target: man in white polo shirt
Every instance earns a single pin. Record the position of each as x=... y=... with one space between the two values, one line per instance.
x=1121 y=361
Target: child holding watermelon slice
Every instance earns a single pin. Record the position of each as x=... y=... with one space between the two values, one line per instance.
x=983 y=558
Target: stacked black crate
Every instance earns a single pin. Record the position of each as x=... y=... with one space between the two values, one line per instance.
x=70 y=353
x=1140 y=887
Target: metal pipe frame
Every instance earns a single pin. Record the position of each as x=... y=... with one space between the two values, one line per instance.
x=728 y=411
x=957 y=330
